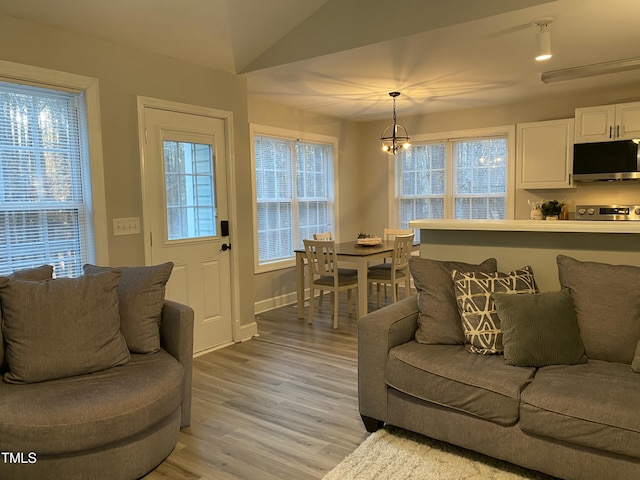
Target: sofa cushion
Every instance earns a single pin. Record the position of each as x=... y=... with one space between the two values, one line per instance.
x=439 y=319
x=607 y=305
x=89 y=411
x=539 y=329
x=61 y=327
x=141 y=295
x=480 y=321
x=36 y=274
x=593 y=405
x=447 y=375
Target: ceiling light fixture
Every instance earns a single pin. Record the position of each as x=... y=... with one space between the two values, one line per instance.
x=592 y=70
x=395 y=137
x=543 y=40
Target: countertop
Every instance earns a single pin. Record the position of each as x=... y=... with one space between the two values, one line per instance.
x=567 y=226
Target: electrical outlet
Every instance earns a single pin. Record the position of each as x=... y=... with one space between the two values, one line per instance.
x=126 y=226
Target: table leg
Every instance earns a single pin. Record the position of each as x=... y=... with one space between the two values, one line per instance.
x=300 y=283
x=362 y=286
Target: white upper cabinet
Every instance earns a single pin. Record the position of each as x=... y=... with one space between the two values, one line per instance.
x=544 y=154
x=608 y=123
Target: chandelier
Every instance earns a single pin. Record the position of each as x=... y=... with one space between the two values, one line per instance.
x=395 y=137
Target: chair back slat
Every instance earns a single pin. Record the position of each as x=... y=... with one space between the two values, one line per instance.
x=321 y=257
x=402 y=247
x=327 y=236
x=392 y=233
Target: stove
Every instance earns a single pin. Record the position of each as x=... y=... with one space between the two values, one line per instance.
x=608 y=212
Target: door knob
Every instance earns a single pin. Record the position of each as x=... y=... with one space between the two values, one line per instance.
x=225 y=246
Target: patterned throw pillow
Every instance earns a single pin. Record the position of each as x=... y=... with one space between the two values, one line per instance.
x=477 y=309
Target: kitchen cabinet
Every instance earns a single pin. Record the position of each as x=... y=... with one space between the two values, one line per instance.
x=608 y=123
x=544 y=154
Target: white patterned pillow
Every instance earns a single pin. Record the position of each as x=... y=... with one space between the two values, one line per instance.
x=480 y=321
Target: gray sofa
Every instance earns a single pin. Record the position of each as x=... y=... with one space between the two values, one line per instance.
x=575 y=421
x=118 y=422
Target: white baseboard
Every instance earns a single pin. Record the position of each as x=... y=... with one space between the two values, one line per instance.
x=276 y=302
x=247 y=332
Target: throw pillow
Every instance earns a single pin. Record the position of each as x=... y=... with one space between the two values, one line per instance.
x=62 y=327
x=141 y=295
x=539 y=329
x=439 y=319
x=607 y=305
x=36 y=274
x=480 y=321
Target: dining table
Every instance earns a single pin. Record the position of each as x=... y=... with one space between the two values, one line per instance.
x=351 y=252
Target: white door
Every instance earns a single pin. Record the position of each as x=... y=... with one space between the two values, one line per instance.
x=184 y=178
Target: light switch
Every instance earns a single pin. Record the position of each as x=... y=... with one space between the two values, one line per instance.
x=126 y=226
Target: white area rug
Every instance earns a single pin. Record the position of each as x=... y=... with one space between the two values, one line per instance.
x=395 y=454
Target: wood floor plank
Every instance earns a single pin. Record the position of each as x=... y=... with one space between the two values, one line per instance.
x=280 y=406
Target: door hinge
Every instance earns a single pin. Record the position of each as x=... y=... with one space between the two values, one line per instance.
x=151 y=238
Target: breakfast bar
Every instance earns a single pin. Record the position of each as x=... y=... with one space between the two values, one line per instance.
x=515 y=243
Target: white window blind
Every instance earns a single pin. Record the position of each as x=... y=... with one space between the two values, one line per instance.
x=464 y=178
x=43 y=200
x=294 y=194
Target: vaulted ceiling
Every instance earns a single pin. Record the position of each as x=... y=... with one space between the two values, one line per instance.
x=342 y=57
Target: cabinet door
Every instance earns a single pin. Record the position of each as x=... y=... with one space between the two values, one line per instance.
x=595 y=124
x=628 y=119
x=544 y=154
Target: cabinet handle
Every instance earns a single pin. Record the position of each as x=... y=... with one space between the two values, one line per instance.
x=610 y=131
x=617 y=131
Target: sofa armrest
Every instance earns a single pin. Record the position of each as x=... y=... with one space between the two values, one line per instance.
x=176 y=337
x=379 y=332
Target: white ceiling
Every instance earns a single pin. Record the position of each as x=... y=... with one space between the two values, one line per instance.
x=342 y=57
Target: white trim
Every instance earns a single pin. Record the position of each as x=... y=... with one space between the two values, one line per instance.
x=146 y=102
x=54 y=79
x=257 y=129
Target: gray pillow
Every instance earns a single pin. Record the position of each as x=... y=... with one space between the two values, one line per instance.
x=141 y=294
x=607 y=306
x=62 y=327
x=36 y=274
x=635 y=365
x=439 y=319
x=480 y=321
x=539 y=329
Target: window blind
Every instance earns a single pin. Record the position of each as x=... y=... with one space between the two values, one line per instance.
x=43 y=200
x=294 y=190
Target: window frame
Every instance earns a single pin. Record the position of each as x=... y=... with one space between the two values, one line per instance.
x=508 y=131
x=94 y=176
x=291 y=135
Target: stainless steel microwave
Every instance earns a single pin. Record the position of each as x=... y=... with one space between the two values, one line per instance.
x=606 y=161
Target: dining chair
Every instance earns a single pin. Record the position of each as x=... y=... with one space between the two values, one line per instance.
x=389 y=234
x=398 y=272
x=328 y=236
x=324 y=275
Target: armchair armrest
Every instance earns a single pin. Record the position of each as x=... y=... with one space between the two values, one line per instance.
x=176 y=337
x=379 y=332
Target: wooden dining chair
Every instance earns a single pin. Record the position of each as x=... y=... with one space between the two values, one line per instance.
x=398 y=272
x=328 y=236
x=324 y=275
x=389 y=234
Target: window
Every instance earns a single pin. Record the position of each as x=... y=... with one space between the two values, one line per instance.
x=46 y=214
x=294 y=185
x=464 y=177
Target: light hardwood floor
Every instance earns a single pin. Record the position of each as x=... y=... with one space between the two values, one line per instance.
x=280 y=406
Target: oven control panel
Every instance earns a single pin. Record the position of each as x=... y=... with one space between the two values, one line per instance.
x=608 y=212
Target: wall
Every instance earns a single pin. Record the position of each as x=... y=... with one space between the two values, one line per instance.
x=278 y=287
x=375 y=184
x=124 y=73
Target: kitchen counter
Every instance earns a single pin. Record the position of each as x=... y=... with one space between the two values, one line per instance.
x=568 y=226
x=516 y=243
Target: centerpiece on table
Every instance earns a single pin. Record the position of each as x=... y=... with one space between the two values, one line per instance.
x=367 y=240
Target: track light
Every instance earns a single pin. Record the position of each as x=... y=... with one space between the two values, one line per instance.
x=543 y=40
